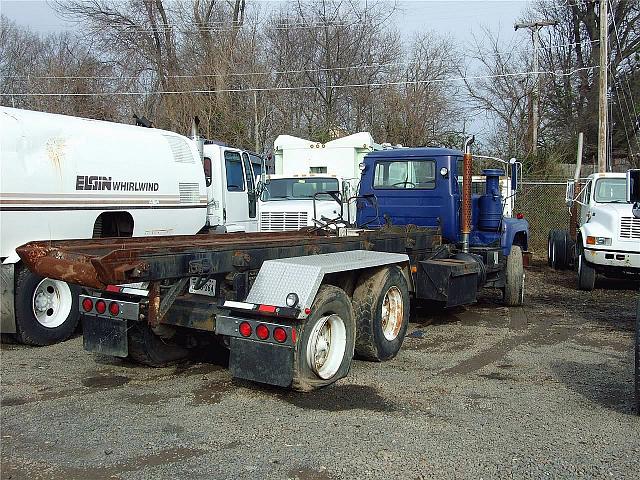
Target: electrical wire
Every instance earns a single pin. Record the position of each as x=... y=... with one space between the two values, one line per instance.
x=632 y=116
x=251 y=74
x=299 y=88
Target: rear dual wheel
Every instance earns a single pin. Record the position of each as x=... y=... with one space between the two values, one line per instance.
x=559 y=249
x=381 y=306
x=326 y=339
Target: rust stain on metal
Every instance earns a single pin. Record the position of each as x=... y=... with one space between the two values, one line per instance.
x=154 y=304
x=56 y=153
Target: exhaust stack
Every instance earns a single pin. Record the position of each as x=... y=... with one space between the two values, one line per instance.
x=467 y=172
x=195 y=123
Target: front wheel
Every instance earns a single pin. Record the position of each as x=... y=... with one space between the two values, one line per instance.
x=586 y=274
x=46 y=310
x=513 y=291
x=325 y=344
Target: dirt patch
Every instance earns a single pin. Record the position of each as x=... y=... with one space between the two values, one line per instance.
x=336 y=398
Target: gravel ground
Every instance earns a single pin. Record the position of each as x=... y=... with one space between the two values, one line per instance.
x=544 y=391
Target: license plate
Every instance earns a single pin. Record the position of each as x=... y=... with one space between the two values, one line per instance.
x=208 y=288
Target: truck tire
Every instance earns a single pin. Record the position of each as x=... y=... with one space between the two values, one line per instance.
x=586 y=274
x=147 y=348
x=326 y=339
x=513 y=291
x=637 y=369
x=558 y=250
x=381 y=307
x=46 y=310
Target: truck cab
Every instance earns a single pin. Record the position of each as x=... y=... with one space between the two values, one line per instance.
x=608 y=239
x=291 y=202
x=422 y=187
x=231 y=188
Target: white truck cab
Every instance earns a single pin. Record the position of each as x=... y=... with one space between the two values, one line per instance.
x=292 y=202
x=231 y=188
x=608 y=237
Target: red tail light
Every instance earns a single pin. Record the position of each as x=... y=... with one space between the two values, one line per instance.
x=114 y=308
x=262 y=332
x=101 y=306
x=279 y=335
x=519 y=216
x=87 y=304
x=293 y=335
x=245 y=329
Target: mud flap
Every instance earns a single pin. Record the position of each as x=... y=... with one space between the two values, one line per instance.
x=105 y=335
x=261 y=362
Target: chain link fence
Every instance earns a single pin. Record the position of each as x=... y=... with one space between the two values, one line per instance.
x=542 y=203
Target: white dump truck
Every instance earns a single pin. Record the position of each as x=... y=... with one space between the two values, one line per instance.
x=607 y=238
x=65 y=177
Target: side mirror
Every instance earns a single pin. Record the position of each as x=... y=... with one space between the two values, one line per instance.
x=514 y=175
x=263 y=171
x=633 y=191
x=570 y=193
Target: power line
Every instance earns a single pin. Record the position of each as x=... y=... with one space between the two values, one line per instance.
x=632 y=117
x=247 y=74
x=299 y=88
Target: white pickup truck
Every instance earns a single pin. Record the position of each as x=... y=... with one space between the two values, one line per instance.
x=608 y=235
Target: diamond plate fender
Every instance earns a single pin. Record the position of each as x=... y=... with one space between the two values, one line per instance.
x=303 y=275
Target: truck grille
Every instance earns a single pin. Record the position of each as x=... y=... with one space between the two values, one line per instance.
x=282 y=221
x=629 y=227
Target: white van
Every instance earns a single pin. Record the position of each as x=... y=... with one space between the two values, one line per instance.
x=65 y=177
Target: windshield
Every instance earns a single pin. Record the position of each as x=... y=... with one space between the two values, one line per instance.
x=298 y=188
x=610 y=190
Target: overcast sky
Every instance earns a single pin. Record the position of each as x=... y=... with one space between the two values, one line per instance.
x=460 y=19
x=455 y=17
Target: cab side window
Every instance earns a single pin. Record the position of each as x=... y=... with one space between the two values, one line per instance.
x=235 y=175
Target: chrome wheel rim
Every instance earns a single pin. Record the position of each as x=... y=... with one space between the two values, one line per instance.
x=392 y=313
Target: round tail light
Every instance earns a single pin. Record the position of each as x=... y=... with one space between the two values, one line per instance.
x=279 y=335
x=87 y=304
x=262 y=332
x=245 y=329
x=101 y=306
x=114 y=308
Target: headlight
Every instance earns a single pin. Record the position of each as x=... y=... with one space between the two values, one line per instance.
x=598 y=241
x=292 y=300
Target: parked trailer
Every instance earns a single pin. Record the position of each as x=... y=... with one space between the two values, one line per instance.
x=292 y=307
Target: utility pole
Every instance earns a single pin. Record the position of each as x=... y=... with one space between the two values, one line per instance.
x=603 y=113
x=535 y=27
x=255 y=121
